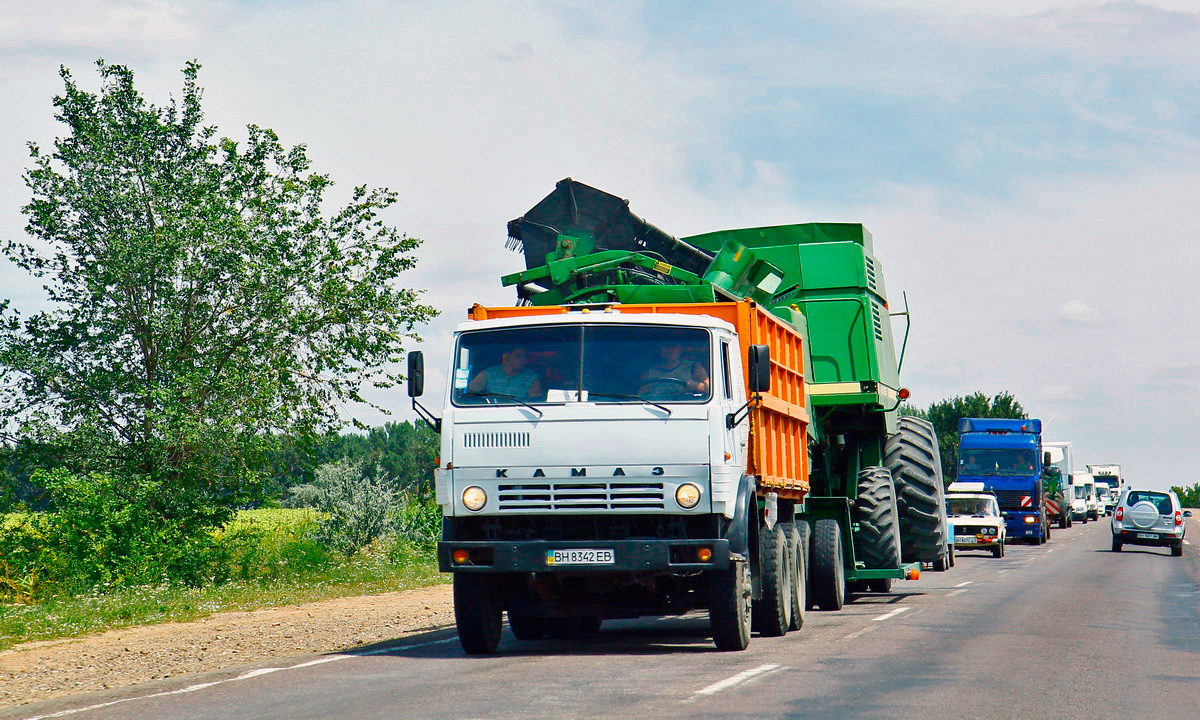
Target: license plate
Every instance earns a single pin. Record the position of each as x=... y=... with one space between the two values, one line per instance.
x=580 y=556
x=965 y=539
x=1148 y=536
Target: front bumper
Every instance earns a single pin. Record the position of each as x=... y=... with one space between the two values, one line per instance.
x=1130 y=537
x=975 y=541
x=628 y=556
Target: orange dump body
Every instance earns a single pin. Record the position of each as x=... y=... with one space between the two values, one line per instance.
x=779 y=425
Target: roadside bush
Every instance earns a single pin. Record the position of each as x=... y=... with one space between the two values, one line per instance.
x=355 y=509
x=419 y=519
x=272 y=544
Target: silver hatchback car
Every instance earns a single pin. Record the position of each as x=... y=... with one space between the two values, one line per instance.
x=1148 y=517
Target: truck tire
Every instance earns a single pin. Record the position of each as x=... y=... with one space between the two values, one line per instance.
x=477 y=612
x=799 y=567
x=805 y=531
x=912 y=456
x=828 y=573
x=526 y=627
x=877 y=542
x=773 y=610
x=1064 y=521
x=730 y=606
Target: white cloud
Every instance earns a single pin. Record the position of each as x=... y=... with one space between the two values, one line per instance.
x=1077 y=312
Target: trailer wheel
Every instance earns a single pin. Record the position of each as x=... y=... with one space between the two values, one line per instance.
x=477 y=612
x=773 y=611
x=1064 y=521
x=526 y=627
x=828 y=573
x=729 y=606
x=877 y=542
x=798 y=565
x=912 y=456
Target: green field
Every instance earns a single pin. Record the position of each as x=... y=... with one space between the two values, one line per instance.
x=272 y=562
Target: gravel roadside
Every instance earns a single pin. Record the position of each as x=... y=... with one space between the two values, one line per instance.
x=38 y=671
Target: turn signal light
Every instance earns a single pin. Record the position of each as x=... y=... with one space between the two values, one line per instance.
x=913 y=573
x=1030 y=519
x=704 y=554
x=460 y=557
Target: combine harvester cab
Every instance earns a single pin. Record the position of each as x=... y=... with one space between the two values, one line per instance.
x=1006 y=456
x=668 y=424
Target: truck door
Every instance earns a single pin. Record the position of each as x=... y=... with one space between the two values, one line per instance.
x=733 y=395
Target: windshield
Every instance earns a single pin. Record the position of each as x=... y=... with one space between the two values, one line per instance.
x=1081 y=492
x=996 y=462
x=571 y=363
x=969 y=506
x=1160 y=500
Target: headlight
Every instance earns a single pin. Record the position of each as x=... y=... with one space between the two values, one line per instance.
x=688 y=495
x=474 y=498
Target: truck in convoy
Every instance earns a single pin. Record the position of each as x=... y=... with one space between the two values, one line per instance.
x=1109 y=484
x=1085 y=506
x=661 y=425
x=1006 y=456
x=1060 y=464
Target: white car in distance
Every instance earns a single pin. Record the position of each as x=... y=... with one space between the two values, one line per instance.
x=975 y=518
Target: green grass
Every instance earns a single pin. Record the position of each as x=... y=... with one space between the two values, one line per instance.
x=273 y=562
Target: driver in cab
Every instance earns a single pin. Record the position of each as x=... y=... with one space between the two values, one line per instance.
x=672 y=376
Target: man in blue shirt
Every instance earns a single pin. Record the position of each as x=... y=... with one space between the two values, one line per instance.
x=510 y=377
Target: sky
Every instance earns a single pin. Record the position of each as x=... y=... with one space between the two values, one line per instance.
x=1030 y=169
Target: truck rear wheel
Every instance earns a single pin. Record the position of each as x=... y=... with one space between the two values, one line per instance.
x=729 y=606
x=773 y=611
x=878 y=540
x=828 y=573
x=912 y=456
x=477 y=612
x=805 y=531
x=797 y=563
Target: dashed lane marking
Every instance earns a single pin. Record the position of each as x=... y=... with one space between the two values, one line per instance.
x=957 y=592
x=729 y=682
x=964 y=584
x=892 y=614
x=862 y=632
x=245 y=676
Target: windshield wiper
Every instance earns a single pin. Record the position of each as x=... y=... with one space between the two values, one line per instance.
x=507 y=397
x=639 y=398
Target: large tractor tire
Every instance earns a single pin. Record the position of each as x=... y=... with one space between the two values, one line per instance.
x=773 y=610
x=912 y=456
x=477 y=612
x=730 y=606
x=798 y=564
x=828 y=573
x=878 y=537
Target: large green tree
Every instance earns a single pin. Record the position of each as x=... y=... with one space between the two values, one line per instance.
x=945 y=414
x=204 y=297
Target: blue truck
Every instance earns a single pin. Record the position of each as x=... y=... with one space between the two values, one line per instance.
x=1006 y=456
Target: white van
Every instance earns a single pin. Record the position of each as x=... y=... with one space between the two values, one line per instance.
x=1084 y=505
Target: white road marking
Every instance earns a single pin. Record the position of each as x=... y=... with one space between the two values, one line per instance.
x=244 y=676
x=1000 y=572
x=892 y=614
x=964 y=584
x=859 y=633
x=1050 y=551
x=952 y=593
x=1187 y=542
x=741 y=677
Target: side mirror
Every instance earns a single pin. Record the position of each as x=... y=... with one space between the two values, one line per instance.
x=1187 y=513
x=416 y=373
x=1046 y=458
x=759 y=363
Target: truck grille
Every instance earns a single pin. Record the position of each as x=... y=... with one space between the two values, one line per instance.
x=581 y=496
x=1011 y=499
x=488 y=440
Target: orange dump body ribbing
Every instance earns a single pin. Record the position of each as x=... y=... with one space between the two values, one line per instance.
x=778 y=451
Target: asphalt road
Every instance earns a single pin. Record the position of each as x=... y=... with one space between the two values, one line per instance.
x=1064 y=630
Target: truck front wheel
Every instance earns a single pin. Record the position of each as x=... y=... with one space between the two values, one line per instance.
x=477 y=612
x=828 y=573
x=729 y=606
